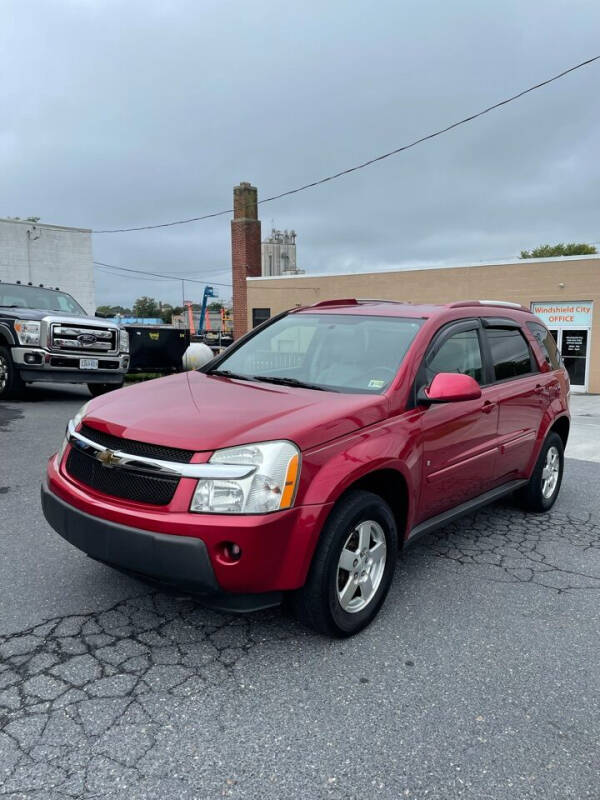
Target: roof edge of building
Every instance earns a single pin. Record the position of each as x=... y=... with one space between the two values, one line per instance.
x=45 y=225
x=423 y=267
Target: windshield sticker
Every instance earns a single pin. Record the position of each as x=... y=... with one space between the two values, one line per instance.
x=376 y=384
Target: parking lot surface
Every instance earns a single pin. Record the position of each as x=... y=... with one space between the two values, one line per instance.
x=479 y=679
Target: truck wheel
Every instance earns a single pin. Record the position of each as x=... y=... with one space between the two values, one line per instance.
x=10 y=380
x=96 y=389
x=540 y=493
x=352 y=568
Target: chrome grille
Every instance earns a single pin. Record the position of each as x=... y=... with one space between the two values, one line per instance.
x=136 y=448
x=140 y=487
x=89 y=338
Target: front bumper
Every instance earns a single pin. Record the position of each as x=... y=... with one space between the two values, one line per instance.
x=177 y=559
x=37 y=364
x=276 y=549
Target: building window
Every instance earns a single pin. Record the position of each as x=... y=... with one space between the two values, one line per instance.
x=260 y=315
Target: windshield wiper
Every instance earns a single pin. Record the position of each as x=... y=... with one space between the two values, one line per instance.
x=13 y=305
x=226 y=373
x=290 y=382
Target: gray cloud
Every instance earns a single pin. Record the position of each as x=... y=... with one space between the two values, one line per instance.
x=116 y=114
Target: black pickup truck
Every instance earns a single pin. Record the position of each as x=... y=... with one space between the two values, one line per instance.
x=45 y=335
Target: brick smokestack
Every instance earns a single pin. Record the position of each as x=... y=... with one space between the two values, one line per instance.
x=245 y=251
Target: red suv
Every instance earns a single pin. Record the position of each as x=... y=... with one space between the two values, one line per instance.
x=300 y=460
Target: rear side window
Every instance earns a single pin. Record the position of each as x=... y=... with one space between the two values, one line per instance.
x=510 y=353
x=459 y=353
x=546 y=342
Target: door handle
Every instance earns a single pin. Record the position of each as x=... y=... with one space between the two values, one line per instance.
x=488 y=407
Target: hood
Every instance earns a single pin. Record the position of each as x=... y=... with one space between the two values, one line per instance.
x=206 y=412
x=23 y=313
x=39 y=314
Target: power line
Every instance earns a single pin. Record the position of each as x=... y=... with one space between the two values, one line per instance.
x=157 y=274
x=116 y=274
x=365 y=163
x=113 y=270
x=161 y=276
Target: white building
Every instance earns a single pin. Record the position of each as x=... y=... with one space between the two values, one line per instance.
x=279 y=254
x=49 y=254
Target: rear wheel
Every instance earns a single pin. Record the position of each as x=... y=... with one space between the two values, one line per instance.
x=10 y=380
x=96 y=389
x=544 y=485
x=352 y=568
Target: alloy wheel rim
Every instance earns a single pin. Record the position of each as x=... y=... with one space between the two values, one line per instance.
x=361 y=566
x=550 y=472
x=3 y=373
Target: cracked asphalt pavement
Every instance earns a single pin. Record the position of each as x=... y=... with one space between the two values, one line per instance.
x=479 y=679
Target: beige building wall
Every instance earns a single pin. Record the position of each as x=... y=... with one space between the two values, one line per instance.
x=571 y=279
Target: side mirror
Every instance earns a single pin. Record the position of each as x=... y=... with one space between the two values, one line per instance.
x=450 y=387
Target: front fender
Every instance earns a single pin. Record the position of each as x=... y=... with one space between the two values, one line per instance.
x=7 y=337
x=330 y=470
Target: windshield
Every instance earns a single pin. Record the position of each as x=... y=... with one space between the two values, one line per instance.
x=335 y=352
x=35 y=297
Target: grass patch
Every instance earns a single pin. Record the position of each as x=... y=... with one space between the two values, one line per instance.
x=133 y=377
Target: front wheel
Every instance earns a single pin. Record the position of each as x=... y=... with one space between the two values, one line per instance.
x=352 y=568
x=10 y=380
x=544 y=485
x=96 y=389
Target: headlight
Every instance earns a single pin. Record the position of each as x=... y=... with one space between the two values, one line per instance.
x=27 y=332
x=271 y=486
x=123 y=341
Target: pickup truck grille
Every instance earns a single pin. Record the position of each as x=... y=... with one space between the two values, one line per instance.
x=120 y=481
x=88 y=338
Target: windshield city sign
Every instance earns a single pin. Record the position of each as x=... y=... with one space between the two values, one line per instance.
x=576 y=314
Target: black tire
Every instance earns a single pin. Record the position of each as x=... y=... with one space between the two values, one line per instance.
x=317 y=604
x=10 y=380
x=96 y=389
x=532 y=496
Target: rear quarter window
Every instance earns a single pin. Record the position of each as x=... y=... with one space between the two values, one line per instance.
x=510 y=353
x=546 y=342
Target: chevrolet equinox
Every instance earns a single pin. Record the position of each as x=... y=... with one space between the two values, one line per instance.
x=298 y=462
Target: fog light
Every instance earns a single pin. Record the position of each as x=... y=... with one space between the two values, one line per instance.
x=33 y=358
x=230 y=552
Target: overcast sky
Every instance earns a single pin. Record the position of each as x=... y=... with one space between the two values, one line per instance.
x=115 y=114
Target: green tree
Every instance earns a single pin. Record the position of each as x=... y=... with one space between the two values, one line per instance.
x=112 y=311
x=146 y=307
x=560 y=249
x=167 y=311
x=216 y=306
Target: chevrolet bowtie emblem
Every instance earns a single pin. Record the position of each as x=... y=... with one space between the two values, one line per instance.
x=108 y=458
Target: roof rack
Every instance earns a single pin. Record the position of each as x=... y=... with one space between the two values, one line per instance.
x=346 y=301
x=381 y=300
x=355 y=301
x=498 y=303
